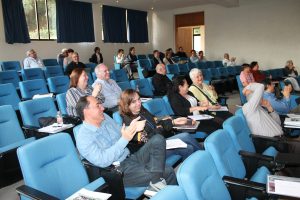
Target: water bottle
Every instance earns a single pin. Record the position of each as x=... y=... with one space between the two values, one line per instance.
x=59 y=118
x=117 y=167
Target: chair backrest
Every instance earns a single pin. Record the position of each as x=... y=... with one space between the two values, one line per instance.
x=238 y=69
x=225 y=155
x=91 y=65
x=124 y=85
x=172 y=69
x=50 y=62
x=143 y=86
x=173 y=192
x=10 y=76
x=144 y=64
x=119 y=75
x=156 y=107
x=150 y=82
x=210 y=64
x=11 y=65
x=199 y=178
x=241 y=87
x=214 y=72
x=32 y=110
x=239 y=133
x=168 y=105
x=223 y=71
x=9 y=95
x=117 y=117
x=10 y=130
x=183 y=68
x=150 y=56
x=51 y=165
x=58 y=84
x=207 y=74
x=231 y=70
x=141 y=56
x=201 y=65
x=218 y=63
x=31 y=74
x=32 y=87
x=52 y=71
x=61 y=102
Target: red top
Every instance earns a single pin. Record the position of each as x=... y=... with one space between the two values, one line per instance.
x=258 y=76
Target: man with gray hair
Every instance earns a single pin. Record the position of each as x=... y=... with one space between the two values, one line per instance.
x=109 y=88
x=32 y=61
x=160 y=81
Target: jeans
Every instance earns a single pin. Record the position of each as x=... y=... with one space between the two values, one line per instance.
x=148 y=164
x=192 y=145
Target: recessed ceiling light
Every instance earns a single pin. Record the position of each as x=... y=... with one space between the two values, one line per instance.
x=117 y=1
x=152 y=8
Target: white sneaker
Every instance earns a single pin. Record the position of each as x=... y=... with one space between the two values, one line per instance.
x=158 y=186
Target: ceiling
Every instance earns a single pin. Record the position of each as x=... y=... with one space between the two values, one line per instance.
x=162 y=4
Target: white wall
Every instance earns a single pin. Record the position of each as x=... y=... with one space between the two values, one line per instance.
x=263 y=30
x=50 y=49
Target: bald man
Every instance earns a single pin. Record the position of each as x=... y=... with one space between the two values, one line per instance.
x=109 y=88
x=160 y=81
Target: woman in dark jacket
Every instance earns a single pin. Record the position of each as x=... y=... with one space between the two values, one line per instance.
x=97 y=56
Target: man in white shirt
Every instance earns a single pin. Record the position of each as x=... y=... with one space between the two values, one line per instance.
x=109 y=88
x=32 y=61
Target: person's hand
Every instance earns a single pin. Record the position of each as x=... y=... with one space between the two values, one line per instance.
x=215 y=107
x=232 y=59
x=96 y=90
x=204 y=103
x=140 y=125
x=246 y=92
x=287 y=91
x=211 y=87
x=180 y=121
x=202 y=108
x=265 y=103
x=128 y=132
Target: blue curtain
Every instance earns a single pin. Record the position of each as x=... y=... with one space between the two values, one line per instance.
x=114 y=24
x=15 y=26
x=138 y=27
x=74 y=21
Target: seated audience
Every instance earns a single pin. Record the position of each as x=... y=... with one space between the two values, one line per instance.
x=194 y=58
x=131 y=60
x=258 y=76
x=97 y=56
x=68 y=58
x=160 y=81
x=102 y=142
x=32 y=60
x=201 y=56
x=156 y=58
x=181 y=53
x=246 y=76
x=74 y=64
x=290 y=70
x=79 y=87
x=131 y=108
x=109 y=88
x=168 y=58
x=184 y=104
x=62 y=56
x=120 y=59
x=228 y=61
x=281 y=106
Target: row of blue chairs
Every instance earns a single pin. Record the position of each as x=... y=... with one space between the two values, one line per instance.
x=15 y=65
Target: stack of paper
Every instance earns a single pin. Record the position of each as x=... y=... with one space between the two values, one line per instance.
x=38 y=96
x=185 y=127
x=55 y=128
x=143 y=100
x=200 y=117
x=292 y=122
x=282 y=185
x=175 y=143
x=223 y=108
x=85 y=194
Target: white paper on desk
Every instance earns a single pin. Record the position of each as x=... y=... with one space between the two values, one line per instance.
x=143 y=100
x=293 y=115
x=175 y=143
x=38 y=96
x=292 y=121
x=85 y=194
x=282 y=185
x=55 y=128
x=200 y=117
x=223 y=108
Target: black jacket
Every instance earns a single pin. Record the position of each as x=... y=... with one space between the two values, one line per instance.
x=93 y=59
x=73 y=66
x=161 y=84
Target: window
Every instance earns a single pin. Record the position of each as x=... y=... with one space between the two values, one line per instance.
x=196 y=39
x=41 y=19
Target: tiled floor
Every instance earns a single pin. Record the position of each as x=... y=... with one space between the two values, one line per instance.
x=9 y=193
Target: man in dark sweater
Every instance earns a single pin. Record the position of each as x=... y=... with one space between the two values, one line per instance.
x=160 y=81
x=74 y=64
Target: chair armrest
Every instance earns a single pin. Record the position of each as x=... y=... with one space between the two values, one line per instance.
x=242 y=189
x=32 y=193
x=256 y=156
x=32 y=131
x=261 y=143
x=98 y=185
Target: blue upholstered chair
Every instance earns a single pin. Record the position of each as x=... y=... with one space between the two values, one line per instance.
x=241 y=87
x=143 y=64
x=119 y=75
x=10 y=65
x=58 y=84
x=10 y=76
x=172 y=69
x=32 y=110
x=141 y=56
x=218 y=63
x=156 y=107
x=143 y=86
x=173 y=192
x=50 y=62
x=9 y=95
x=52 y=71
x=31 y=74
x=229 y=163
x=183 y=68
x=62 y=104
x=32 y=87
x=11 y=137
x=124 y=85
x=51 y=165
